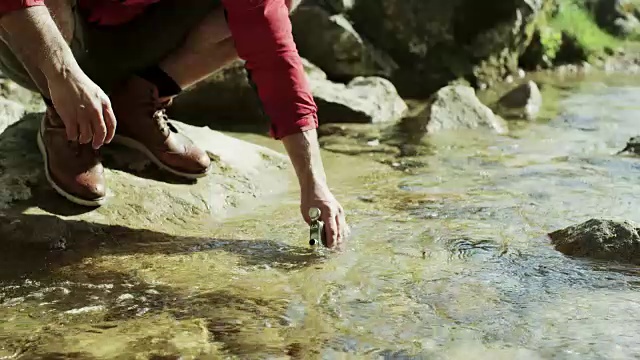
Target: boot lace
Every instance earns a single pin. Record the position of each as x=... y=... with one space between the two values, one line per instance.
x=160 y=117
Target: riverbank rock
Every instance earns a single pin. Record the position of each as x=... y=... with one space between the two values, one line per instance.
x=455 y=107
x=141 y=195
x=600 y=239
x=619 y=17
x=524 y=102
x=435 y=42
x=363 y=100
x=331 y=43
x=228 y=98
x=633 y=146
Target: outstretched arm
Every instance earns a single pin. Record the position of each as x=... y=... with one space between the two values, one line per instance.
x=261 y=30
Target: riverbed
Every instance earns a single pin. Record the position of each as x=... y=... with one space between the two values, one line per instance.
x=448 y=259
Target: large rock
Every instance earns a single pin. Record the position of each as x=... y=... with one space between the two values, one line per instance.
x=452 y=108
x=525 y=102
x=363 y=100
x=226 y=98
x=600 y=239
x=12 y=91
x=435 y=41
x=330 y=42
x=140 y=194
x=10 y=113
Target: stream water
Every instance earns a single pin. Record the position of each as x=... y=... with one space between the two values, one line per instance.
x=448 y=260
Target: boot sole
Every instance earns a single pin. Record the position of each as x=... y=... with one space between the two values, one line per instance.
x=136 y=145
x=58 y=189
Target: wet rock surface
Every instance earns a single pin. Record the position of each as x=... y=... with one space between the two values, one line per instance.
x=600 y=239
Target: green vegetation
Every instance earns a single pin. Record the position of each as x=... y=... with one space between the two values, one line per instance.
x=574 y=20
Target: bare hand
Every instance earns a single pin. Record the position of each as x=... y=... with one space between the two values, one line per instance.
x=332 y=213
x=84 y=108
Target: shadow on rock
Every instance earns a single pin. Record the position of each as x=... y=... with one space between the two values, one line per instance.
x=34 y=245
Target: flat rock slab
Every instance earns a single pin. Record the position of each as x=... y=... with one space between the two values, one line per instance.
x=140 y=195
x=600 y=239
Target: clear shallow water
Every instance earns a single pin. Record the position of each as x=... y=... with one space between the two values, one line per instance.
x=447 y=261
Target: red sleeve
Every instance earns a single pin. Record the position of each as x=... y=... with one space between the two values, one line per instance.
x=7 y=6
x=261 y=30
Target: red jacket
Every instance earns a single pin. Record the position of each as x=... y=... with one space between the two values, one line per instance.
x=261 y=31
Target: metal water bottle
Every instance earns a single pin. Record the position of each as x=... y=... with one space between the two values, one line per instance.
x=316 y=228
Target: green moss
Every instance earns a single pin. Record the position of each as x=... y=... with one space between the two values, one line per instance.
x=574 y=20
x=551 y=41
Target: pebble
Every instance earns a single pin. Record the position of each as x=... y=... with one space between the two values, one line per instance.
x=86 y=309
x=125 y=297
x=375 y=142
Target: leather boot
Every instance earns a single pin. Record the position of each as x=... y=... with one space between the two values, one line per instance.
x=143 y=125
x=74 y=170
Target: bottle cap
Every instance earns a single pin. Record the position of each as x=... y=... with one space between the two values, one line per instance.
x=314 y=213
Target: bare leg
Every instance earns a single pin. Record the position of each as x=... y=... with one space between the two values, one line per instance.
x=62 y=13
x=208 y=48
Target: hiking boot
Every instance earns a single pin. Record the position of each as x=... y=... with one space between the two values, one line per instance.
x=144 y=125
x=74 y=170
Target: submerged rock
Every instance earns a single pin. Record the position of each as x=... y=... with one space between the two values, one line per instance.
x=456 y=107
x=600 y=239
x=331 y=43
x=524 y=102
x=362 y=100
x=633 y=146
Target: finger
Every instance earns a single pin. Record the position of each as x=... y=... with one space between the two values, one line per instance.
x=99 y=128
x=85 y=131
x=84 y=125
x=344 y=226
x=340 y=230
x=72 y=130
x=331 y=229
x=110 y=121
